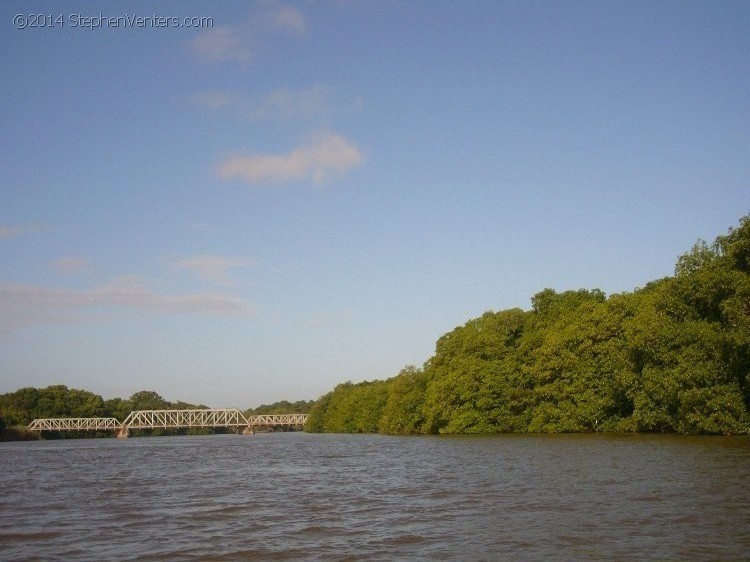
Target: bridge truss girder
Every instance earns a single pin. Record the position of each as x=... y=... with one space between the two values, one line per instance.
x=75 y=424
x=171 y=419
x=174 y=419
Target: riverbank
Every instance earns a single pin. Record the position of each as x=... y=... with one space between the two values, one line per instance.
x=18 y=433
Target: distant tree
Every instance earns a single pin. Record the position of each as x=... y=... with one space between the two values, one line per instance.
x=118 y=408
x=148 y=400
x=283 y=407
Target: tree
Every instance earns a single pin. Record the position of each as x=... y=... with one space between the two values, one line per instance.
x=148 y=400
x=403 y=411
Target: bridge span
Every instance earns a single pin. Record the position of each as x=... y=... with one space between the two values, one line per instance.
x=172 y=419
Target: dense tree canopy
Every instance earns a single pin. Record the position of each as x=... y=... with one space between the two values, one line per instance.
x=22 y=406
x=673 y=356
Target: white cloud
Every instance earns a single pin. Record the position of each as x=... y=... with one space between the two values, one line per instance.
x=220 y=44
x=210 y=267
x=325 y=155
x=23 y=305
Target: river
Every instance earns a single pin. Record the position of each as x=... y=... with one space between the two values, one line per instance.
x=297 y=496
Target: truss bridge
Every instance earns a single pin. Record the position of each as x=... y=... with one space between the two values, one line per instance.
x=173 y=419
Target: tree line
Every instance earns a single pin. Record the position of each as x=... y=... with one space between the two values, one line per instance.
x=673 y=356
x=19 y=408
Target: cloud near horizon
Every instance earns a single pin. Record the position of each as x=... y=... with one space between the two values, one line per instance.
x=322 y=157
x=24 y=305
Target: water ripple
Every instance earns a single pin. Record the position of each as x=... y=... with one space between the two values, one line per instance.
x=341 y=497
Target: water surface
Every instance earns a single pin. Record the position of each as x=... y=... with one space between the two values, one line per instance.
x=369 y=497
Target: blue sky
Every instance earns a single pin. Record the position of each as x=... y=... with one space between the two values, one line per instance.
x=313 y=192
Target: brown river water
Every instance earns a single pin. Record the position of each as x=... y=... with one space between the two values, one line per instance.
x=297 y=496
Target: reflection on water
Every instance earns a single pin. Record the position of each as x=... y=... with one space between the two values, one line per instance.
x=355 y=497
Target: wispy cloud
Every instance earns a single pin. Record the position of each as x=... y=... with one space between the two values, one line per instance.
x=284 y=103
x=280 y=104
x=211 y=267
x=230 y=42
x=23 y=305
x=285 y=18
x=324 y=156
x=220 y=44
x=215 y=100
x=71 y=265
x=7 y=232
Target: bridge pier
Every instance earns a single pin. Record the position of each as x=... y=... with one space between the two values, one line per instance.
x=248 y=430
x=122 y=432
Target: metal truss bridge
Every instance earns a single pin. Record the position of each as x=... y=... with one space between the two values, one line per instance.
x=172 y=419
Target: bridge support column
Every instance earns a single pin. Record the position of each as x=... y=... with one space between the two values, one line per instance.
x=248 y=431
x=122 y=432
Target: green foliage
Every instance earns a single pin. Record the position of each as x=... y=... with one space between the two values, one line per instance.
x=283 y=407
x=118 y=408
x=318 y=413
x=403 y=411
x=735 y=246
x=21 y=407
x=148 y=400
x=350 y=408
x=673 y=356
x=701 y=255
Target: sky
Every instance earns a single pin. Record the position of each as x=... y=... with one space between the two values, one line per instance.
x=236 y=203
